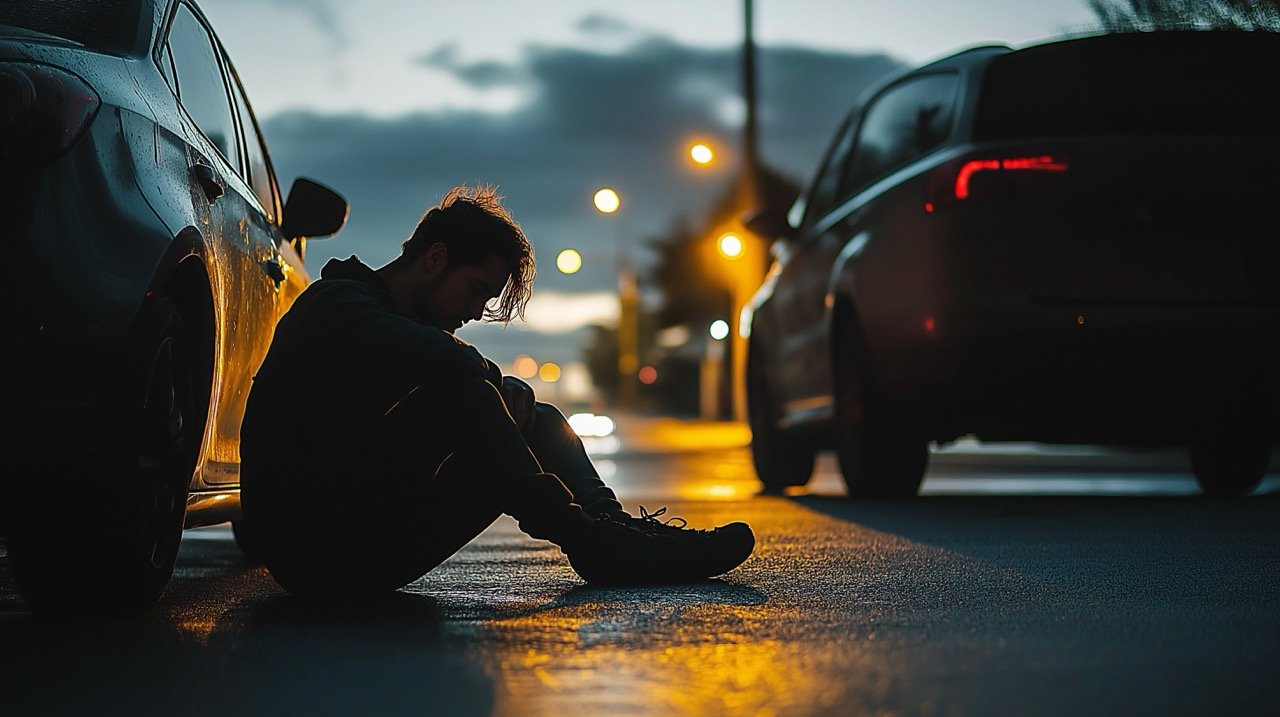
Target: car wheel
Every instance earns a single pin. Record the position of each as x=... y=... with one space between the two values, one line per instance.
x=880 y=455
x=118 y=550
x=780 y=460
x=1230 y=463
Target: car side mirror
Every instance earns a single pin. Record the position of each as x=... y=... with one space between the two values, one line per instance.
x=769 y=222
x=313 y=210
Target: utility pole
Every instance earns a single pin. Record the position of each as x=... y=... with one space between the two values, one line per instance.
x=748 y=197
x=750 y=130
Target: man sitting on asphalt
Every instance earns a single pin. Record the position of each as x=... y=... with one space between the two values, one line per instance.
x=375 y=444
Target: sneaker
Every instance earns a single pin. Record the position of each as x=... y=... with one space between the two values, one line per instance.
x=720 y=549
x=647 y=551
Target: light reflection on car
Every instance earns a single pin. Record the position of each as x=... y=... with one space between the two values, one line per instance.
x=149 y=255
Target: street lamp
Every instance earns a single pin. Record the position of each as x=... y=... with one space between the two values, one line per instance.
x=701 y=154
x=730 y=245
x=569 y=261
x=709 y=372
x=608 y=202
x=742 y=270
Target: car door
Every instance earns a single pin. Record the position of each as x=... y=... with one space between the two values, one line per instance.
x=239 y=237
x=903 y=124
x=285 y=256
x=799 y=350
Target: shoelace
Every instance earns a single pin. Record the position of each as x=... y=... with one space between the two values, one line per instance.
x=653 y=518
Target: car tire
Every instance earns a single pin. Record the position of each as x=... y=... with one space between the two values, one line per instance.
x=248 y=540
x=117 y=551
x=1230 y=463
x=880 y=455
x=781 y=461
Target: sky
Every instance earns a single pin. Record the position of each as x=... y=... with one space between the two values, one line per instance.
x=392 y=102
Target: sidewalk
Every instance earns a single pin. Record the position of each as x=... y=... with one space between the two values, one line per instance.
x=664 y=434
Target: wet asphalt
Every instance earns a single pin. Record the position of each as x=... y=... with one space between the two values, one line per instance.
x=1020 y=583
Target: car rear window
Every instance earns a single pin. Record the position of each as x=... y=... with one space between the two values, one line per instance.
x=110 y=25
x=1134 y=84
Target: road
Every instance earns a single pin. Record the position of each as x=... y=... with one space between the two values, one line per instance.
x=1067 y=582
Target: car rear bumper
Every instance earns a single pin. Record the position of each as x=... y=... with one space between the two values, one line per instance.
x=1085 y=374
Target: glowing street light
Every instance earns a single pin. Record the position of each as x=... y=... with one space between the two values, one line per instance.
x=607 y=201
x=525 y=366
x=701 y=154
x=549 y=372
x=569 y=261
x=730 y=245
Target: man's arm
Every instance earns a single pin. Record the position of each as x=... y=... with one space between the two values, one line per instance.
x=520 y=401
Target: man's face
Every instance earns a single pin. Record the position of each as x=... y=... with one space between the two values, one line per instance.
x=458 y=293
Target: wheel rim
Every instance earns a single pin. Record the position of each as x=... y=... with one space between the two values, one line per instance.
x=162 y=451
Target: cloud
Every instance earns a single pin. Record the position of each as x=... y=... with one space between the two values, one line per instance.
x=319 y=12
x=590 y=119
x=479 y=75
x=599 y=24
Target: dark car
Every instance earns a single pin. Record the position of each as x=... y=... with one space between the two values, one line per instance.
x=1072 y=242
x=146 y=260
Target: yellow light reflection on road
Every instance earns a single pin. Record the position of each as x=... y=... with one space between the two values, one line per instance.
x=581 y=658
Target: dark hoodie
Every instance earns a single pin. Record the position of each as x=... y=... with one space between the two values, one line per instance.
x=340 y=359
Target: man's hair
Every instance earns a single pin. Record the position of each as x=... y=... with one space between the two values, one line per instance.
x=472 y=224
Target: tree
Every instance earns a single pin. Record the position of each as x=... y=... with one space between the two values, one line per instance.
x=1149 y=15
x=696 y=287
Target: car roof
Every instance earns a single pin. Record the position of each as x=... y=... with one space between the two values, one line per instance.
x=966 y=58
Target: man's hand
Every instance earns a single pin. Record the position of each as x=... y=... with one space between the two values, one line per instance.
x=518 y=396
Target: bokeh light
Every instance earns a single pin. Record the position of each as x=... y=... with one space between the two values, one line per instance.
x=730 y=245
x=590 y=425
x=648 y=375
x=719 y=329
x=607 y=200
x=549 y=372
x=569 y=261
x=701 y=154
x=525 y=366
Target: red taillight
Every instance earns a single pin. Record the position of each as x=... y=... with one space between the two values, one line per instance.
x=1019 y=175
x=43 y=111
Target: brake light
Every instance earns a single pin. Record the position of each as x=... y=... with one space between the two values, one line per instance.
x=43 y=111
x=972 y=178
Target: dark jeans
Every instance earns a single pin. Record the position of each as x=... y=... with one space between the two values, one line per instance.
x=441 y=467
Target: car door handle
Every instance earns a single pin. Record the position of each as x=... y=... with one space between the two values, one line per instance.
x=207 y=178
x=274 y=270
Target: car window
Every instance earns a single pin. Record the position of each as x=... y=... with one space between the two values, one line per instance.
x=901 y=125
x=200 y=85
x=823 y=194
x=257 y=171
x=165 y=62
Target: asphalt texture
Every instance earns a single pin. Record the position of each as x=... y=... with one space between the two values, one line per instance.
x=1019 y=583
